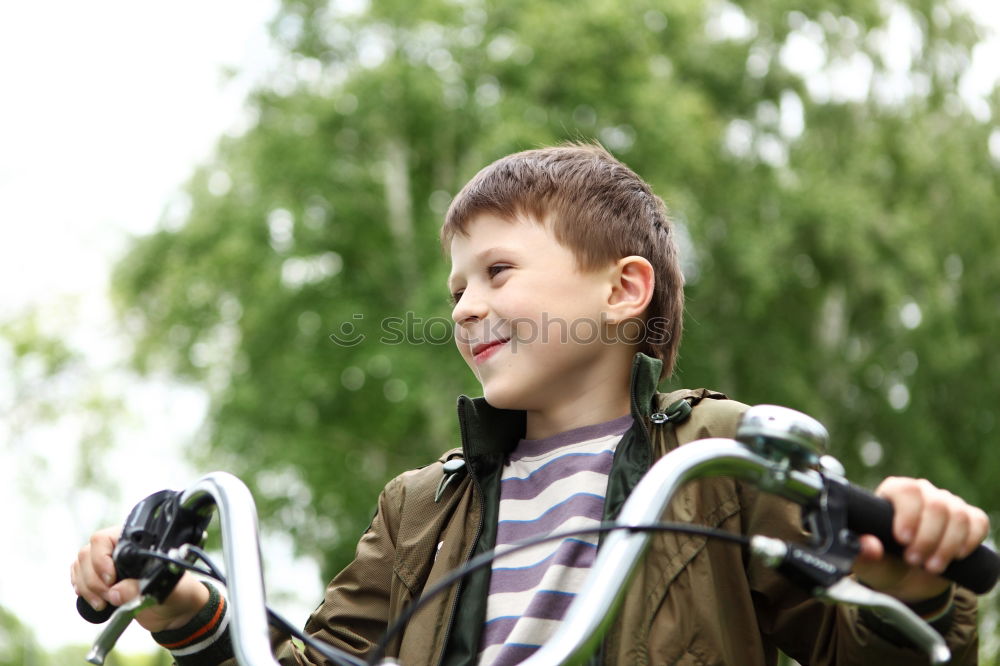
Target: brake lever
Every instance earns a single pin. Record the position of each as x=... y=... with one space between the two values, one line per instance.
x=117 y=623
x=152 y=592
x=830 y=583
x=157 y=523
x=892 y=611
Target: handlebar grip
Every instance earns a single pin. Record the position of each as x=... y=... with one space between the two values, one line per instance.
x=868 y=514
x=88 y=613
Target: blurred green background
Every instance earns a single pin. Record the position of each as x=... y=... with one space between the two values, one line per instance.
x=837 y=199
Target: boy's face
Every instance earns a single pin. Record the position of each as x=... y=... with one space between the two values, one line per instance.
x=527 y=321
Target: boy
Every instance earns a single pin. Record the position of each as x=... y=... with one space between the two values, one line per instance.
x=568 y=301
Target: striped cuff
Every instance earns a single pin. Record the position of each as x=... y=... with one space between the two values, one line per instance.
x=937 y=611
x=935 y=608
x=203 y=640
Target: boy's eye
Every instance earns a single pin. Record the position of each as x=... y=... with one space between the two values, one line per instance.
x=491 y=271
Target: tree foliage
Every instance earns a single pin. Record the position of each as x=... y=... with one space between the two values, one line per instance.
x=50 y=383
x=836 y=195
x=19 y=646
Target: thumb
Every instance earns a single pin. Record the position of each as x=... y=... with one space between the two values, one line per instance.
x=872 y=549
x=123 y=592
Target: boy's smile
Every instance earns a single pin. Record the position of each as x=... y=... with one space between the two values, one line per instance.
x=530 y=324
x=484 y=350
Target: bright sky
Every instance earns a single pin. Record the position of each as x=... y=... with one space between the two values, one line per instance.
x=107 y=106
x=106 y=109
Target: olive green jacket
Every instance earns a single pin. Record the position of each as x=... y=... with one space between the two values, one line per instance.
x=692 y=600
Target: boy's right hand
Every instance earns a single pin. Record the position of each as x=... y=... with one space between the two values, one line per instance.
x=94 y=579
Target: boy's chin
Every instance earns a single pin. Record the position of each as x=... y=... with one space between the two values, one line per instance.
x=501 y=399
x=497 y=401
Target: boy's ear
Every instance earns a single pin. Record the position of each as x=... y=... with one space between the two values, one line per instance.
x=633 y=279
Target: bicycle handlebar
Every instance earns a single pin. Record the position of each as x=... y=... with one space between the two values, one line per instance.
x=868 y=514
x=241 y=551
x=593 y=609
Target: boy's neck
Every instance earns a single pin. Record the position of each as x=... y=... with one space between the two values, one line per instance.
x=599 y=401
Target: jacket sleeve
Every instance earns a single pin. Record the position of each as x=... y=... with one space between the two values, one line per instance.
x=356 y=609
x=353 y=615
x=815 y=633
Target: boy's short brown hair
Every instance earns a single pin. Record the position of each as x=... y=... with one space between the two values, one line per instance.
x=598 y=208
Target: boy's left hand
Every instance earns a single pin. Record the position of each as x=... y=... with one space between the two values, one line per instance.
x=934 y=526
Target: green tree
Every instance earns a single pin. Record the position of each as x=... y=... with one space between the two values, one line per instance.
x=17 y=644
x=49 y=381
x=838 y=208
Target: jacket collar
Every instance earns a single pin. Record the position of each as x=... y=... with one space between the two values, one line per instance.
x=490 y=434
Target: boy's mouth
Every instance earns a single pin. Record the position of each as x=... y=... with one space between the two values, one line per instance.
x=484 y=350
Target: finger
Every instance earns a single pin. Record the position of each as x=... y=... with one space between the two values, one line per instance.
x=86 y=581
x=104 y=567
x=954 y=538
x=979 y=529
x=907 y=502
x=102 y=546
x=934 y=520
x=85 y=574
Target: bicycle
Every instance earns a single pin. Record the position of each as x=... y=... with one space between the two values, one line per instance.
x=777 y=449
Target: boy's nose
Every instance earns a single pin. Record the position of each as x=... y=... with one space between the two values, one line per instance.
x=469 y=308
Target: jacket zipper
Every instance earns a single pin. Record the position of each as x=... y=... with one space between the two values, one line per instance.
x=475 y=540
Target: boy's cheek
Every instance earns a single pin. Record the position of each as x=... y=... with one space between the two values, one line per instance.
x=464 y=341
x=466 y=353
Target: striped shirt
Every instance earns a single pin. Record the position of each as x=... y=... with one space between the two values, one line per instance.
x=550 y=485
